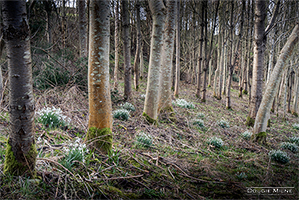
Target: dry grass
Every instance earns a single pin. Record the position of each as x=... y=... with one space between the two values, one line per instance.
x=179 y=164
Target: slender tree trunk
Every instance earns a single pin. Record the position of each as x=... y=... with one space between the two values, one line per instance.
x=141 y=61
x=258 y=61
x=200 y=59
x=138 y=46
x=21 y=152
x=165 y=102
x=290 y=84
x=150 y=111
x=127 y=49
x=264 y=111
x=221 y=68
x=2 y=44
x=82 y=28
x=100 y=108
x=116 y=41
x=48 y=8
x=177 y=69
x=295 y=105
x=232 y=64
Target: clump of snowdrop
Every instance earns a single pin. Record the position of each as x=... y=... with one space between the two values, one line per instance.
x=52 y=117
x=74 y=151
x=279 y=156
x=296 y=126
x=128 y=106
x=183 y=103
x=246 y=135
x=216 y=142
x=121 y=114
x=144 y=139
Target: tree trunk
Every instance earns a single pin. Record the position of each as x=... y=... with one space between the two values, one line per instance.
x=82 y=28
x=2 y=44
x=141 y=61
x=290 y=84
x=21 y=152
x=100 y=108
x=177 y=68
x=165 y=103
x=138 y=46
x=158 y=11
x=116 y=41
x=258 y=61
x=200 y=59
x=295 y=105
x=264 y=111
x=127 y=49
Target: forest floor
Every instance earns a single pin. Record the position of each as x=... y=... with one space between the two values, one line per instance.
x=178 y=162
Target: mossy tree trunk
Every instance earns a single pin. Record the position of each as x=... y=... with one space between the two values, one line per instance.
x=165 y=102
x=127 y=48
x=20 y=154
x=2 y=44
x=272 y=87
x=158 y=11
x=100 y=108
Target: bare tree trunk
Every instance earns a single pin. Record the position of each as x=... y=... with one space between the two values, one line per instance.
x=138 y=47
x=232 y=64
x=116 y=41
x=177 y=69
x=290 y=84
x=152 y=91
x=258 y=61
x=100 y=108
x=200 y=59
x=165 y=102
x=127 y=49
x=295 y=105
x=141 y=61
x=2 y=44
x=21 y=152
x=264 y=111
x=82 y=28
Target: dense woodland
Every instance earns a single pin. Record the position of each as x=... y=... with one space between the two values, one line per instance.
x=149 y=99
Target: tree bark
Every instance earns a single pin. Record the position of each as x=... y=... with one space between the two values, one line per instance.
x=177 y=68
x=127 y=49
x=138 y=47
x=21 y=153
x=165 y=102
x=82 y=28
x=258 y=60
x=264 y=111
x=100 y=108
x=158 y=11
x=116 y=41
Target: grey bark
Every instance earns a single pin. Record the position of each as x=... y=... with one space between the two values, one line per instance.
x=21 y=100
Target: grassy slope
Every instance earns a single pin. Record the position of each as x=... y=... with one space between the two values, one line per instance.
x=180 y=164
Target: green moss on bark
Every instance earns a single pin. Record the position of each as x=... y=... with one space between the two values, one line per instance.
x=295 y=114
x=260 y=137
x=245 y=92
x=13 y=167
x=101 y=138
x=268 y=123
x=149 y=119
x=249 y=121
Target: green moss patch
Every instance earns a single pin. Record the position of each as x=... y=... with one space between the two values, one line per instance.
x=101 y=138
x=149 y=119
x=260 y=137
x=13 y=167
x=249 y=121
